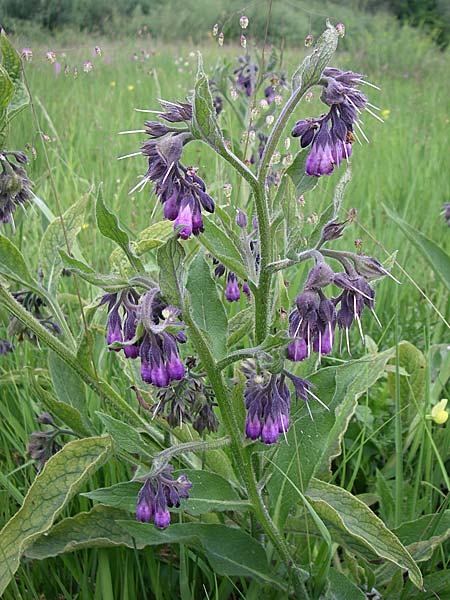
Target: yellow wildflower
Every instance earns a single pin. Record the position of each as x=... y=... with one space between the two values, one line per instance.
x=130 y=88
x=112 y=83
x=438 y=413
x=385 y=113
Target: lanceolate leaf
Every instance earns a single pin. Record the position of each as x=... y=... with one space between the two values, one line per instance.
x=222 y=247
x=230 y=551
x=349 y=514
x=12 y=63
x=69 y=387
x=109 y=283
x=109 y=227
x=204 y=119
x=61 y=477
x=125 y=436
x=438 y=259
x=6 y=92
x=12 y=263
x=94 y=529
x=209 y=492
x=208 y=311
x=57 y=237
x=310 y=70
x=171 y=275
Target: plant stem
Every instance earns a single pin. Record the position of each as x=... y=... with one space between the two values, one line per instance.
x=241 y=456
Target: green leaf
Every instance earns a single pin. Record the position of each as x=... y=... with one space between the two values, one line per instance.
x=240 y=325
x=208 y=311
x=438 y=260
x=316 y=442
x=109 y=283
x=108 y=226
x=12 y=63
x=422 y=536
x=310 y=71
x=209 y=493
x=69 y=386
x=6 y=93
x=125 y=436
x=170 y=259
x=57 y=237
x=222 y=247
x=341 y=588
x=12 y=263
x=60 y=479
x=346 y=512
x=153 y=236
x=230 y=551
x=204 y=120
x=413 y=386
x=63 y=411
x=303 y=183
x=94 y=529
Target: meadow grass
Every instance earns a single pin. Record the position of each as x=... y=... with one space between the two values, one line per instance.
x=405 y=167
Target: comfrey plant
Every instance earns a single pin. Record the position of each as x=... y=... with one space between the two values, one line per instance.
x=209 y=380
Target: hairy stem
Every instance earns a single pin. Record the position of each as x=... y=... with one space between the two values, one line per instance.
x=241 y=456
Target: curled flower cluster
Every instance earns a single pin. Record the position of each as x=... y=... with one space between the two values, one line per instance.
x=15 y=187
x=148 y=328
x=268 y=404
x=179 y=188
x=43 y=445
x=5 y=347
x=313 y=321
x=35 y=305
x=160 y=493
x=331 y=135
x=188 y=401
x=446 y=212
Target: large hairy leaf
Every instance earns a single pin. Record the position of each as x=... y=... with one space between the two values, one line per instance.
x=207 y=309
x=171 y=274
x=230 y=551
x=58 y=236
x=61 y=477
x=348 y=513
x=209 y=493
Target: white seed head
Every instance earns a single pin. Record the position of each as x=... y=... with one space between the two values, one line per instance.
x=269 y=120
x=220 y=38
x=243 y=41
x=215 y=29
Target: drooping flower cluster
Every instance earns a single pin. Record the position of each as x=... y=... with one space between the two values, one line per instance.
x=268 y=404
x=158 y=494
x=5 y=347
x=148 y=328
x=15 y=187
x=44 y=444
x=313 y=321
x=332 y=134
x=180 y=189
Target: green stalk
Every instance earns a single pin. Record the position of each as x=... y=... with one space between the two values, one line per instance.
x=241 y=456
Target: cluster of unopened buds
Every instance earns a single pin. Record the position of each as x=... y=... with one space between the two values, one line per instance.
x=158 y=494
x=148 y=328
x=332 y=134
x=313 y=321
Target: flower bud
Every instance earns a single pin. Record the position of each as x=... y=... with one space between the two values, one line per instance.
x=308 y=40
x=243 y=22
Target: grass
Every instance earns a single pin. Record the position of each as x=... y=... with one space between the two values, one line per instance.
x=405 y=167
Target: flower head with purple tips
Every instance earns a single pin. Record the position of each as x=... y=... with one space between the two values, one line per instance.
x=158 y=494
x=332 y=134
